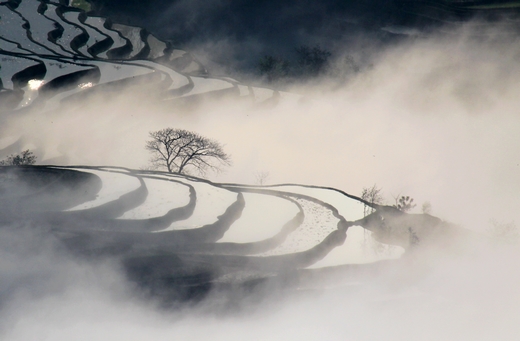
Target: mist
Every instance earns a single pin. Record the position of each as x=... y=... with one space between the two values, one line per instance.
x=433 y=117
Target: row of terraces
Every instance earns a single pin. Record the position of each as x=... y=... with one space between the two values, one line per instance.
x=52 y=53
x=171 y=228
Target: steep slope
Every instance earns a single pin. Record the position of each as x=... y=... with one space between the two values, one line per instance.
x=58 y=53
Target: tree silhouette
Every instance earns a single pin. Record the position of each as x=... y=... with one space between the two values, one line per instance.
x=273 y=68
x=24 y=158
x=180 y=151
x=404 y=203
x=312 y=61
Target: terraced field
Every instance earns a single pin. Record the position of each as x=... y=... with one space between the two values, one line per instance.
x=50 y=52
x=181 y=237
x=167 y=227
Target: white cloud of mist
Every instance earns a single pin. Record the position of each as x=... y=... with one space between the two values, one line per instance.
x=468 y=297
x=435 y=118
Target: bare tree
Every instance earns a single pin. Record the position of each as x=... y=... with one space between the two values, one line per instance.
x=262 y=177
x=180 y=151
x=372 y=195
x=24 y=158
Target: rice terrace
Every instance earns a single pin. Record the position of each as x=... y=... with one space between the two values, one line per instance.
x=284 y=170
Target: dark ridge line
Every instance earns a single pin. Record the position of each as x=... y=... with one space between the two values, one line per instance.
x=41 y=7
x=258 y=247
x=180 y=95
x=91 y=62
x=165 y=83
x=21 y=78
x=57 y=33
x=178 y=64
x=174 y=93
x=156 y=223
x=186 y=176
x=334 y=210
x=96 y=48
x=208 y=233
x=12 y=4
x=121 y=52
x=132 y=49
x=114 y=208
x=81 y=39
x=320 y=250
x=215 y=94
x=137 y=243
x=23 y=207
x=83 y=18
x=342 y=224
x=27 y=27
x=61 y=58
x=167 y=264
x=131 y=225
x=56 y=85
x=232 y=186
x=311 y=186
x=69 y=81
x=160 y=52
x=334 y=239
x=145 y=51
x=18 y=45
x=100 y=46
x=177 y=239
x=22 y=56
x=41 y=189
x=242 y=249
x=276 y=262
x=233 y=263
x=155 y=242
x=108 y=88
x=134 y=172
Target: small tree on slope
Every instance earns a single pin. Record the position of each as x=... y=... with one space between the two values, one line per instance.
x=24 y=158
x=180 y=151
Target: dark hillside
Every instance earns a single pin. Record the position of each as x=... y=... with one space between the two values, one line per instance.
x=252 y=29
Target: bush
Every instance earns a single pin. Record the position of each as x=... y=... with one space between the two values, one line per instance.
x=312 y=62
x=24 y=158
x=306 y=63
x=273 y=68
